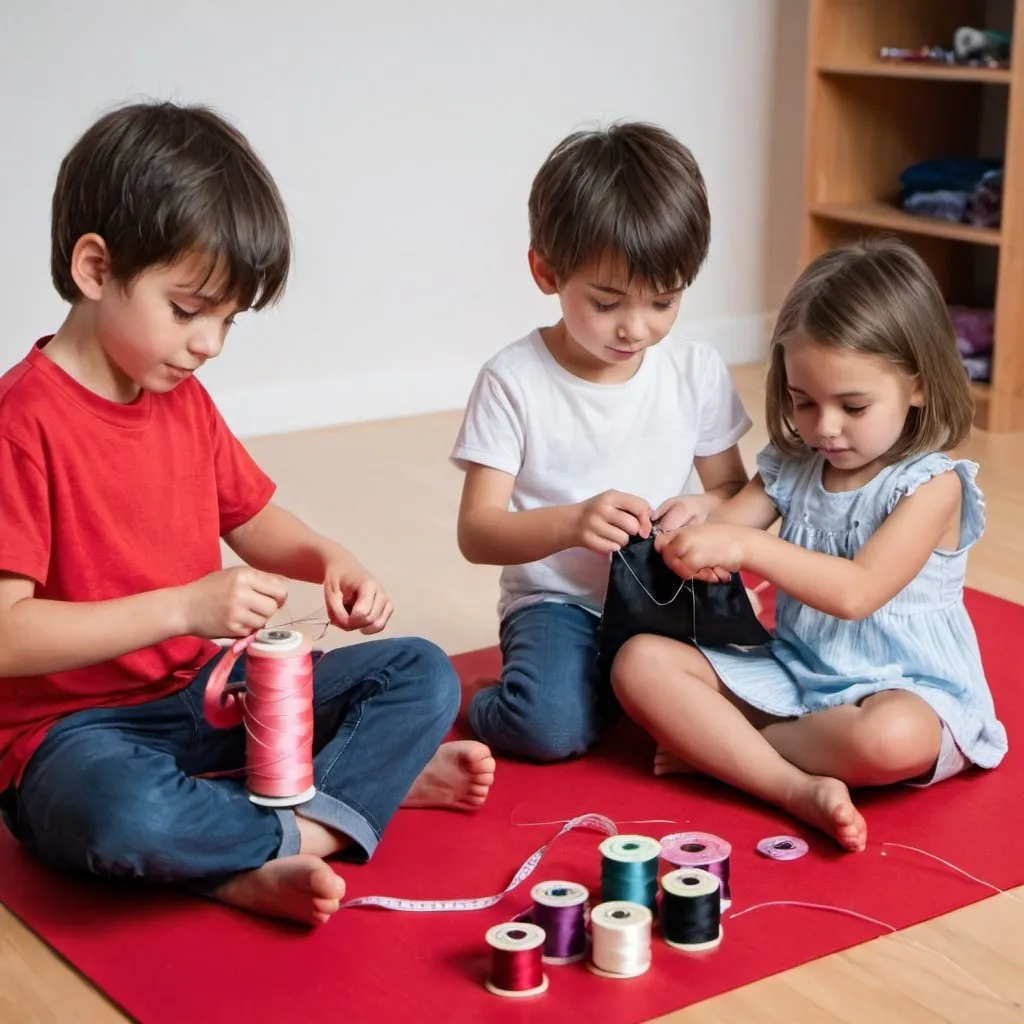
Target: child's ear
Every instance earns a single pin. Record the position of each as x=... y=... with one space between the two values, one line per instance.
x=917 y=394
x=90 y=265
x=545 y=277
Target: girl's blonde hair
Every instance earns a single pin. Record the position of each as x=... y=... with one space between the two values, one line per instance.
x=877 y=297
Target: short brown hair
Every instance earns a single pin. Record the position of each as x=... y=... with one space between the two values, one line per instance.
x=877 y=297
x=157 y=182
x=632 y=191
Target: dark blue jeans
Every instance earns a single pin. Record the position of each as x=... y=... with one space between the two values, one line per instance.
x=113 y=791
x=551 y=702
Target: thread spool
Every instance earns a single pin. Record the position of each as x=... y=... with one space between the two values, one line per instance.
x=691 y=910
x=516 y=969
x=560 y=909
x=276 y=708
x=782 y=847
x=629 y=870
x=620 y=939
x=701 y=850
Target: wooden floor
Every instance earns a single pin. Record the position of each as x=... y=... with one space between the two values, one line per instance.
x=387 y=491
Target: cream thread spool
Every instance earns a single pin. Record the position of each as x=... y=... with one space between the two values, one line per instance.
x=620 y=939
x=691 y=910
x=516 y=960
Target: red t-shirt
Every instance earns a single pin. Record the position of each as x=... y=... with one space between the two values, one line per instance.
x=100 y=500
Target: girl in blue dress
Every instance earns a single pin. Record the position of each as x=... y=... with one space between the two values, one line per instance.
x=874 y=675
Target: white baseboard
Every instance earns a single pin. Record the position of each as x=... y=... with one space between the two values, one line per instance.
x=318 y=403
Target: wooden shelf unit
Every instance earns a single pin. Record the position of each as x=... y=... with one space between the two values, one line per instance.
x=869 y=119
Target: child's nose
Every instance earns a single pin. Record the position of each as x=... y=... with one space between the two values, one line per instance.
x=830 y=423
x=633 y=329
x=206 y=342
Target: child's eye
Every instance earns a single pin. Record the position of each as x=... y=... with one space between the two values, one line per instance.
x=854 y=410
x=184 y=315
x=604 y=307
x=665 y=304
x=803 y=405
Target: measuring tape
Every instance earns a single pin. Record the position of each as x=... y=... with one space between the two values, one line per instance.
x=597 y=822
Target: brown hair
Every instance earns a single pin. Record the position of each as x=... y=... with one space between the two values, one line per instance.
x=158 y=182
x=877 y=297
x=632 y=191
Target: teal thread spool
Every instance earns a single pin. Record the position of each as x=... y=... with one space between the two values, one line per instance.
x=629 y=870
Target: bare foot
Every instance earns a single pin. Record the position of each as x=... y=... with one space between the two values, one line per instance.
x=826 y=804
x=319 y=840
x=469 y=691
x=666 y=763
x=300 y=888
x=458 y=777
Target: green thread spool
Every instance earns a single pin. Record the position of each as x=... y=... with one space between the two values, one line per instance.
x=629 y=870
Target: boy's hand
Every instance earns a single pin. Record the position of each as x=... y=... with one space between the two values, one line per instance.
x=354 y=599
x=605 y=522
x=685 y=510
x=709 y=553
x=232 y=602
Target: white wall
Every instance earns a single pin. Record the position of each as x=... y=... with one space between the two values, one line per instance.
x=404 y=136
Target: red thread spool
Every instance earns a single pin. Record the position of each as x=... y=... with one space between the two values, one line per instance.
x=276 y=708
x=516 y=970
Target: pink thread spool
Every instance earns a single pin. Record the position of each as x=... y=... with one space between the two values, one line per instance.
x=701 y=850
x=276 y=708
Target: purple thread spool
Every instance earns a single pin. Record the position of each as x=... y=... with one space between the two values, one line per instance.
x=560 y=908
x=782 y=847
x=700 y=850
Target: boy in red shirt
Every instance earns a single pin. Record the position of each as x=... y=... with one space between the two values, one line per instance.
x=119 y=478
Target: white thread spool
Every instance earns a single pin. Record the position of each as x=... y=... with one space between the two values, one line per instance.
x=620 y=939
x=515 y=941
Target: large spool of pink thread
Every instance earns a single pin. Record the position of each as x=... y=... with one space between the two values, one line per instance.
x=275 y=706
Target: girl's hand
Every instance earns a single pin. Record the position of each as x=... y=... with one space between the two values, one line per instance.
x=710 y=553
x=354 y=599
x=684 y=510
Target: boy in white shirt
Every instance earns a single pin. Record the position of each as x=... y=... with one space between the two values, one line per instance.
x=585 y=433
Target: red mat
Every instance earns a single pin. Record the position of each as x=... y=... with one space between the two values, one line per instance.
x=165 y=957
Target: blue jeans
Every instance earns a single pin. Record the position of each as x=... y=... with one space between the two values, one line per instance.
x=113 y=791
x=551 y=702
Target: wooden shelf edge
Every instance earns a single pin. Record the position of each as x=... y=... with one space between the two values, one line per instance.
x=982 y=393
x=891 y=218
x=996 y=411
x=921 y=72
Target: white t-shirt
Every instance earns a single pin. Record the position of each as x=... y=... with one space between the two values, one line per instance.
x=565 y=439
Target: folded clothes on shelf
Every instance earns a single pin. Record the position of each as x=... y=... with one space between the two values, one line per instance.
x=979 y=368
x=975 y=338
x=975 y=329
x=958 y=189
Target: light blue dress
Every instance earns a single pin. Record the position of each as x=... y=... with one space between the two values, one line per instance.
x=922 y=640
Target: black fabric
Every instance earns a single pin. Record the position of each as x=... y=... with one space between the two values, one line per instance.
x=717 y=614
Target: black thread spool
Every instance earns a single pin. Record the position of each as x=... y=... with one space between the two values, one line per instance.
x=691 y=910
